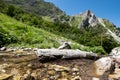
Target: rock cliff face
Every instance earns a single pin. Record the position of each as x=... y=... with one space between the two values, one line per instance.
x=88 y=19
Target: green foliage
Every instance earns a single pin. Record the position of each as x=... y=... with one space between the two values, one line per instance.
x=13 y=32
x=109 y=44
x=10 y=11
x=94 y=38
x=38 y=7
x=6 y=39
x=109 y=25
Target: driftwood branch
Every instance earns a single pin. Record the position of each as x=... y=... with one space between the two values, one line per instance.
x=52 y=54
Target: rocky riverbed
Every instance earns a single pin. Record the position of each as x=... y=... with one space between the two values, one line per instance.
x=24 y=65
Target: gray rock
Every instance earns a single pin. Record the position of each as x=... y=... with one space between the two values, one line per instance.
x=3 y=49
x=104 y=64
x=65 y=45
x=116 y=58
x=115 y=51
x=27 y=49
x=89 y=19
x=117 y=32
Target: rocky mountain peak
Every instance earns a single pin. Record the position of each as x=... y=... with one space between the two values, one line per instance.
x=89 y=13
x=88 y=19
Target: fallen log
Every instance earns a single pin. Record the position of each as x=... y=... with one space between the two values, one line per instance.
x=53 y=54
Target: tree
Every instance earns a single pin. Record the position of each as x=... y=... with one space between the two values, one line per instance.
x=109 y=44
x=10 y=11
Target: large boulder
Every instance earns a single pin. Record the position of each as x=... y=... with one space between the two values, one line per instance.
x=103 y=65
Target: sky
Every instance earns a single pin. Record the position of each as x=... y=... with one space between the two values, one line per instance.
x=108 y=9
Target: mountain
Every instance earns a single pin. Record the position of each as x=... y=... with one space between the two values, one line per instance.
x=92 y=35
x=38 y=7
x=17 y=34
x=89 y=20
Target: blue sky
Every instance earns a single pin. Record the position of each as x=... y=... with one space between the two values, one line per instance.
x=108 y=9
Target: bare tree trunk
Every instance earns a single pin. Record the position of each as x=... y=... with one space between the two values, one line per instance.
x=52 y=54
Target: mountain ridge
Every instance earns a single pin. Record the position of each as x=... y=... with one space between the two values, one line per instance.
x=38 y=7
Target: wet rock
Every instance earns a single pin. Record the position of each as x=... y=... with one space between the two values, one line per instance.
x=17 y=77
x=116 y=73
x=102 y=65
x=94 y=78
x=73 y=74
x=5 y=76
x=75 y=70
x=2 y=68
x=60 y=68
x=114 y=77
x=34 y=75
x=77 y=78
x=64 y=74
x=29 y=65
x=14 y=71
x=63 y=79
x=51 y=72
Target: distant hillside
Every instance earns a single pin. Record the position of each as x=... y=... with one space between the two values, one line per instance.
x=38 y=7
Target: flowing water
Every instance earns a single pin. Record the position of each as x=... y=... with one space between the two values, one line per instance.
x=24 y=65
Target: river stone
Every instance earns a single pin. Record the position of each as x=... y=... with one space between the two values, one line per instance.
x=60 y=68
x=116 y=73
x=5 y=76
x=94 y=78
x=102 y=65
x=75 y=70
x=17 y=77
x=77 y=78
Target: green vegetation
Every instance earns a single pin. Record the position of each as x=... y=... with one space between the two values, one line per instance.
x=16 y=33
x=38 y=7
x=76 y=20
x=43 y=33
x=109 y=25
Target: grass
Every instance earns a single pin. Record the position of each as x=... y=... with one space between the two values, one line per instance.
x=30 y=36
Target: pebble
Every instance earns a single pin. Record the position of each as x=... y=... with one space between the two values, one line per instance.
x=77 y=78
x=94 y=78
x=75 y=70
